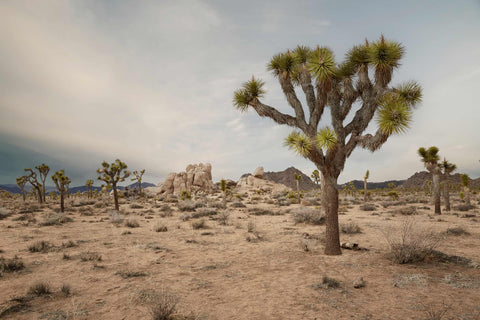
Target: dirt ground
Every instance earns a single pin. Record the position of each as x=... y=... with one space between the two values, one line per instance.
x=255 y=266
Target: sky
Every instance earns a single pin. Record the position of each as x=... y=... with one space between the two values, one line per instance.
x=151 y=83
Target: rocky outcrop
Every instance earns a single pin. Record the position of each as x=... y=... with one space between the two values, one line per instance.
x=287 y=178
x=248 y=183
x=419 y=179
x=197 y=178
x=258 y=173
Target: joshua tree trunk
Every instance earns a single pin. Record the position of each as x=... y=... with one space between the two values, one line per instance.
x=330 y=203
x=365 y=190
x=62 y=203
x=446 y=194
x=39 y=193
x=115 y=196
x=298 y=191
x=436 y=192
x=466 y=190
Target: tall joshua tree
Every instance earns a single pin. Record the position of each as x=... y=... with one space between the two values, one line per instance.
x=447 y=168
x=89 y=185
x=61 y=182
x=365 y=178
x=112 y=174
x=465 y=180
x=342 y=88
x=138 y=177
x=21 y=182
x=43 y=170
x=298 y=177
x=31 y=177
x=430 y=159
x=315 y=176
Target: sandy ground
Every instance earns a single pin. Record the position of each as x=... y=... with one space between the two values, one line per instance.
x=217 y=274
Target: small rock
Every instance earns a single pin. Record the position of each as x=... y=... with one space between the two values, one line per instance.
x=358 y=283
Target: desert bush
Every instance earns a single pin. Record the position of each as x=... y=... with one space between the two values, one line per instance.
x=217 y=204
x=131 y=274
x=223 y=218
x=327 y=283
x=457 y=231
x=4 y=213
x=251 y=227
x=56 y=219
x=412 y=243
x=165 y=210
x=164 y=305
x=65 y=289
x=464 y=207
x=308 y=215
x=237 y=204
x=204 y=212
x=310 y=202
x=350 y=228
x=185 y=217
x=264 y=212
x=171 y=199
x=199 y=224
x=132 y=223
x=115 y=217
x=368 y=207
x=11 y=265
x=406 y=211
x=90 y=256
x=40 y=246
x=86 y=211
x=69 y=244
x=160 y=228
x=187 y=205
x=136 y=206
x=40 y=288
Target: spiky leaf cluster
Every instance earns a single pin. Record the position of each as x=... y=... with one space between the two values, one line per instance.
x=465 y=180
x=61 y=181
x=321 y=64
x=448 y=167
x=114 y=172
x=430 y=155
x=302 y=144
x=251 y=90
x=393 y=116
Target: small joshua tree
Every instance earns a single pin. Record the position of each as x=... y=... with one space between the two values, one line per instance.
x=447 y=168
x=315 y=176
x=61 y=182
x=138 y=178
x=89 y=185
x=21 y=182
x=298 y=177
x=465 y=179
x=430 y=159
x=112 y=174
x=367 y=174
x=32 y=179
x=223 y=187
x=43 y=170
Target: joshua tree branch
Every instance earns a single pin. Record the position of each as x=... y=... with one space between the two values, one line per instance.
x=264 y=110
x=289 y=92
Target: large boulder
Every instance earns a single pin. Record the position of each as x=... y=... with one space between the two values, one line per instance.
x=258 y=173
x=195 y=179
x=250 y=183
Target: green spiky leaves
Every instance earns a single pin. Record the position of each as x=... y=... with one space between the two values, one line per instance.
x=410 y=93
x=282 y=64
x=302 y=144
x=114 y=172
x=61 y=180
x=251 y=90
x=326 y=138
x=321 y=63
x=385 y=54
x=429 y=155
x=393 y=115
x=448 y=167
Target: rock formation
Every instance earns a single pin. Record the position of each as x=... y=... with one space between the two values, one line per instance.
x=287 y=178
x=258 y=173
x=251 y=183
x=196 y=178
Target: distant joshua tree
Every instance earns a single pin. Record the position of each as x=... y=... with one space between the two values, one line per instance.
x=112 y=174
x=37 y=186
x=21 y=182
x=61 y=182
x=365 y=178
x=338 y=88
x=430 y=159
x=223 y=187
x=138 y=178
x=43 y=170
x=447 y=168
x=315 y=176
x=89 y=185
x=465 y=180
x=298 y=177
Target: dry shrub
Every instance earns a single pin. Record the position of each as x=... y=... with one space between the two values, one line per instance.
x=217 y=204
x=188 y=205
x=457 y=231
x=160 y=228
x=4 y=213
x=204 y=212
x=327 y=283
x=237 y=204
x=164 y=305
x=407 y=211
x=308 y=215
x=11 y=265
x=223 y=218
x=56 y=219
x=90 y=256
x=40 y=288
x=132 y=223
x=368 y=207
x=115 y=217
x=200 y=224
x=264 y=212
x=40 y=246
x=412 y=243
x=350 y=228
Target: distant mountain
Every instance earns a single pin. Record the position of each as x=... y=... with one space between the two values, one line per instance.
x=358 y=184
x=13 y=188
x=418 y=180
x=287 y=178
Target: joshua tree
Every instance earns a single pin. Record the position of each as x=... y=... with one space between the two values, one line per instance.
x=430 y=159
x=223 y=187
x=138 y=178
x=89 y=185
x=298 y=177
x=367 y=174
x=21 y=182
x=43 y=170
x=32 y=179
x=465 y=183
x=112 y=174
x=61 y=182
x=447 y=168
x=315 y=176
x=338 y=87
